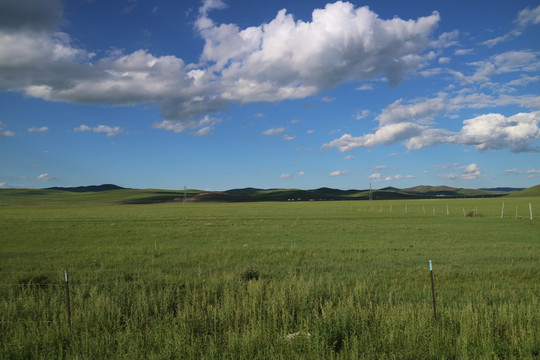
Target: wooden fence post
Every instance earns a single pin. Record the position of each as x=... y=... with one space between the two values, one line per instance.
x=433 y=290
x=68 y=307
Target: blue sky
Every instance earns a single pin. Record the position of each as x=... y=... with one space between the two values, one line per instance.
x=223 y=94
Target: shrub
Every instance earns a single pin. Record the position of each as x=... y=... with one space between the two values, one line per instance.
x=249 y=273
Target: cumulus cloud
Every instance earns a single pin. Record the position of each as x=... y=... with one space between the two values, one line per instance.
x=339 y=172
x=46 y=177
x=365 y=87
x=205 y=125
x=108 y=130
x=42 y=129
x=30 y=15
x=468 y=172
x=5 y=133
x=361 y=114
x=387 y=134
x=421 y=110
x=495 y=132
x=274 y=131
x=444 y=60
x=282 y=59
x=463 y=51
x=413 y=122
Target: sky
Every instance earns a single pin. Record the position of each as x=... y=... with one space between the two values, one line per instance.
x=223 y=94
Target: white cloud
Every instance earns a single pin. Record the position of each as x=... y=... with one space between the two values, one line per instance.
x=444 y=60
x=205 y=131
x=495 y=132
x=413 y=122
x=469 y=172
x=45 y=177
x=446 y=40
x=387 y=134
x=310 y=131
x=365 y=87
x=285 y=176
x=378 y=177
x=527 y=172
x=328 y=99
x=282 y=59
x=525 y=18
x=339 y=172
x=3 y=184
x=42 y=129
x=528 y=16
x=524 y=80
x=274 y=131
x=348 y=157
x=287 y=137
x=277 y=131
x=511 y=61
x=423 y=110
x=460 y=52
x=5 y=133
x=301 y=173
x=108 y=130
x=361 y=114
x=205 y=125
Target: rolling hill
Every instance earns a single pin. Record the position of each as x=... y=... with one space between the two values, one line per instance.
x=115 y=194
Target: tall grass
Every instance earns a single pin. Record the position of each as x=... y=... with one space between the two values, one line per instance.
x=168 y=281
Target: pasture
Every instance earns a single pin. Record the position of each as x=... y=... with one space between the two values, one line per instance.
x=284 y=280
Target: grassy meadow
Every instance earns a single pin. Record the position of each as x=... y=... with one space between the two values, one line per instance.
x=283 y=280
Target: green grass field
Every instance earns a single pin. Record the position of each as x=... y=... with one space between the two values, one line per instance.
x=349 y=278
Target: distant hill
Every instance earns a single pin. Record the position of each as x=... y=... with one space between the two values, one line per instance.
x=90 y=188
x=532 y=191
x=503 y=189
x=116 y=194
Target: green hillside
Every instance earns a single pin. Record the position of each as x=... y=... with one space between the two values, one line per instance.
x=112 y=194
x=127 y=196
x=532 y=192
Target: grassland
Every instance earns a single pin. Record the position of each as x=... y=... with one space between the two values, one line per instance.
x=349 y=278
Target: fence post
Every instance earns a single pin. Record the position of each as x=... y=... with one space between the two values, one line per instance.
x=68 y=308
x=433 y=290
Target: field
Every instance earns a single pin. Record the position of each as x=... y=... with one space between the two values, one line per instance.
x=283 y=280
